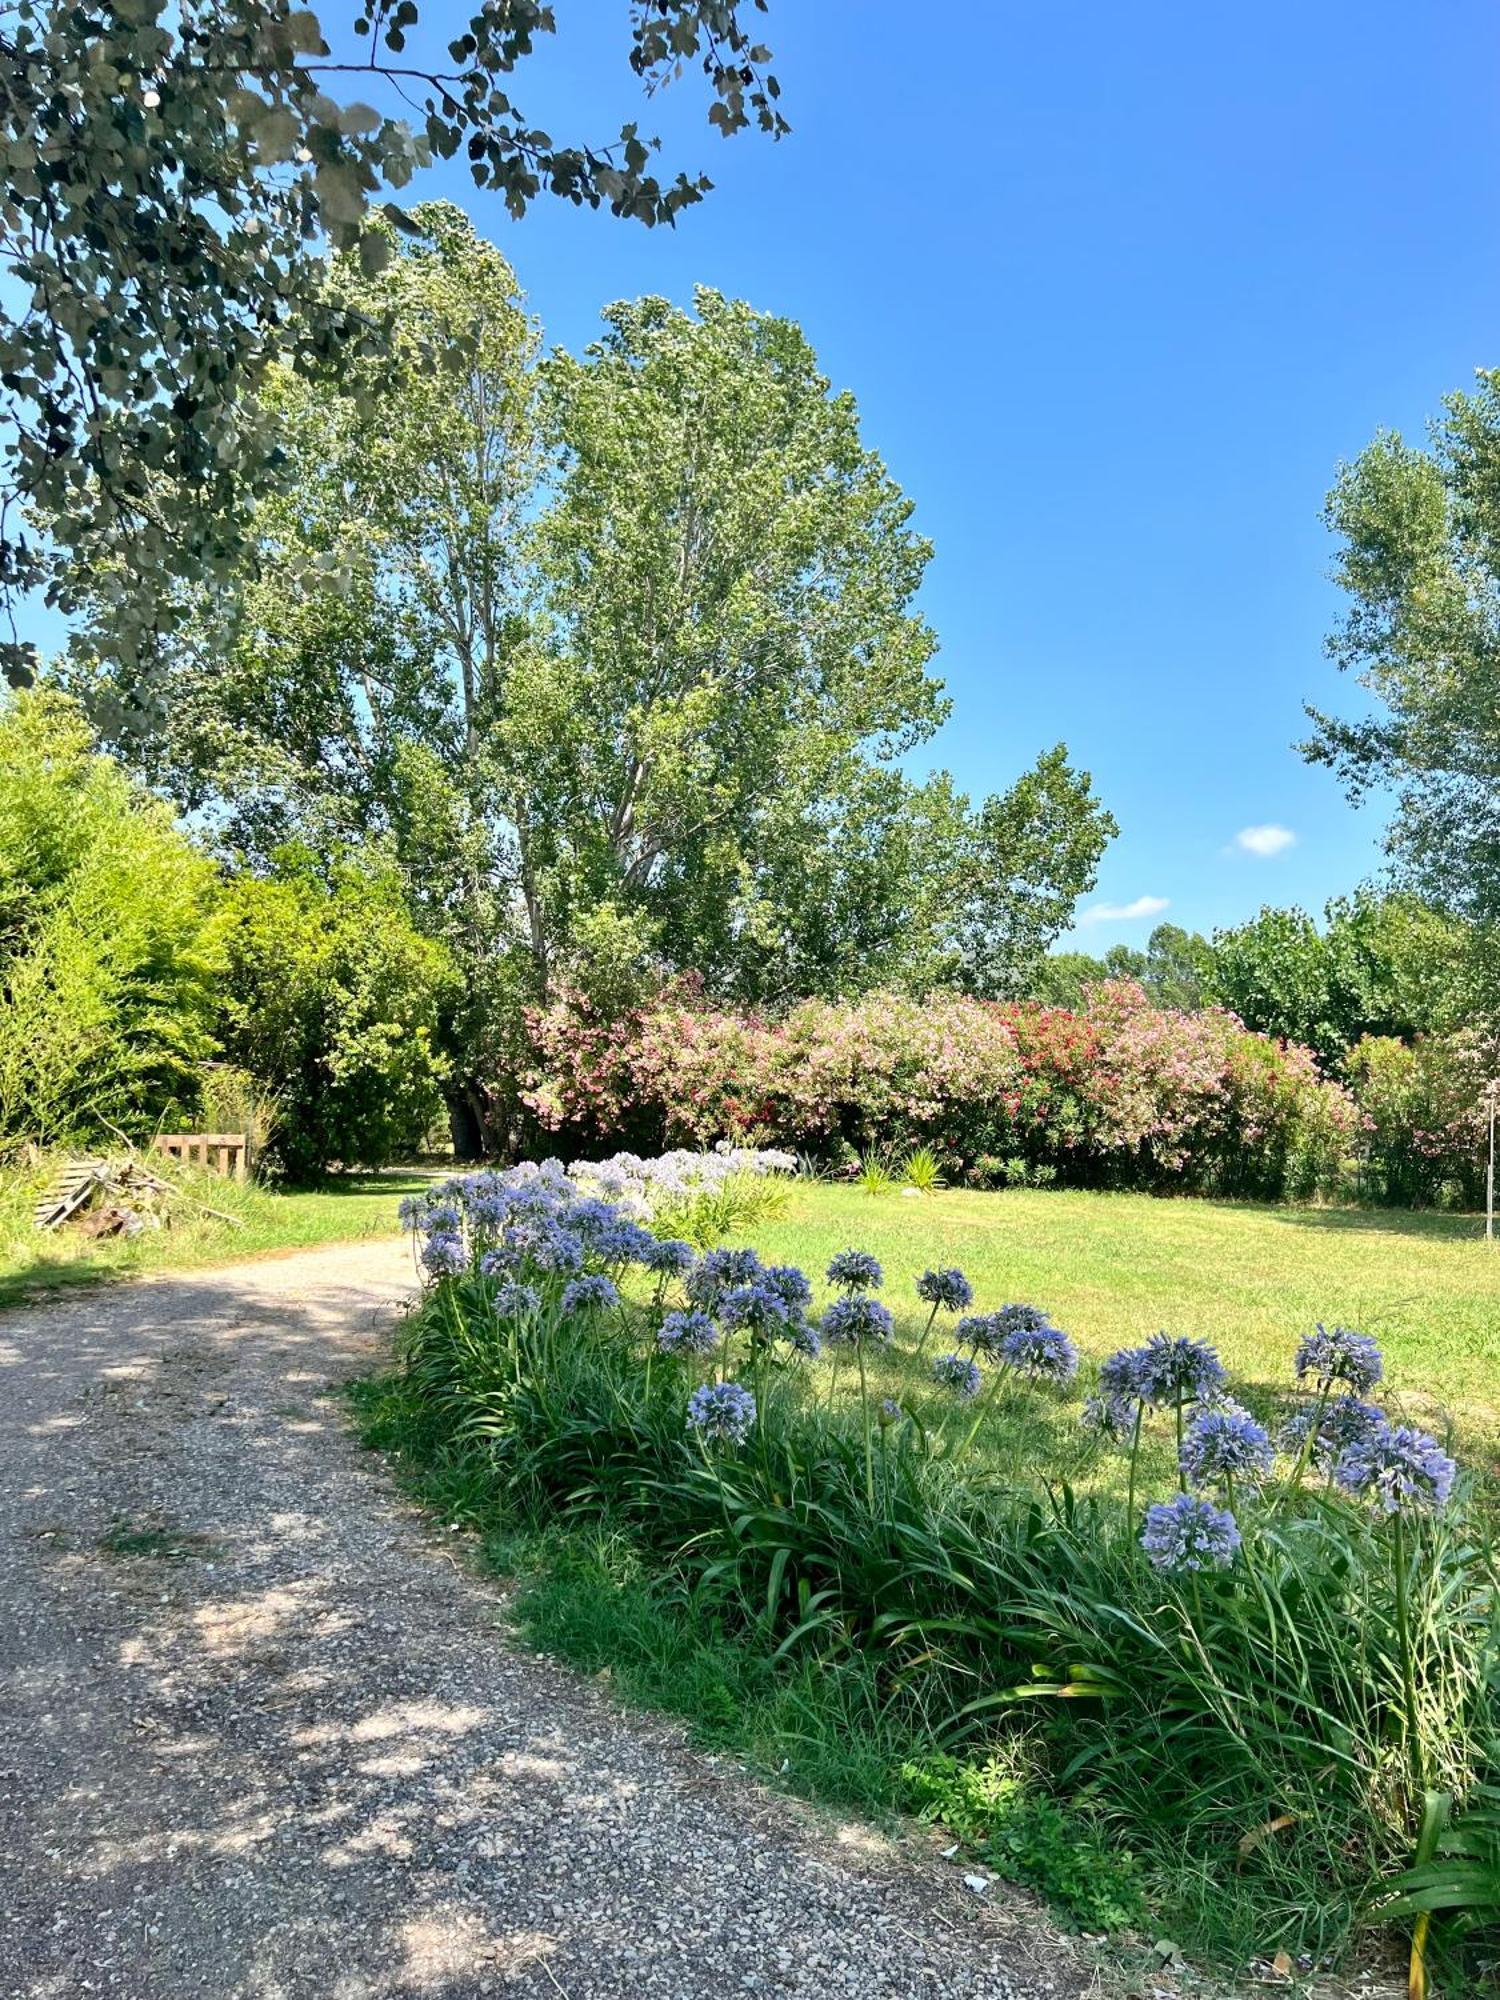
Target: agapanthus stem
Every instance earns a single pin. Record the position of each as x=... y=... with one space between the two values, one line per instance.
x=988 y=1398
x=1135 y=1453
x=927 y=1332
x=864 y=1410
x=1414 y=1749
x=1319 y=1411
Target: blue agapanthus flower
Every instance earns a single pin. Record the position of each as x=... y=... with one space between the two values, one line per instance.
x=444 y=1255
x=443 y=1218
x=1020 y=1319
x=410 y=1210
x=495 y=1263
x=624 y=1242
x=803 y=1338
x=980 y=1331
x=556 y=1250
x=1399 y=1468
x=719 y=1271
x=1123 y=1378
x=487 y=1212
x=690 y=1332
x=857 y=1321
x=514 y=1301
x=587 y=1218
x=1344 y=1421
x=1336 y=1354
x=949 y=1289
x=669 y=1257
x=722 y=1412
x=959 y=1373
x=1178 y=1370
x=1110 y=1417
x=589 y=1295
x=1189 y=1533
x=753 y=1309
x=790 y=1285
x=890 y=1411
x=1041 y=1352
x=1225 y=1445
x=855 y=1271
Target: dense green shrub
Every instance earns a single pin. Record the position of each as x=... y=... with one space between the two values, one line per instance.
x=1421 y=1104
x=108 y=952
x=333 y=1001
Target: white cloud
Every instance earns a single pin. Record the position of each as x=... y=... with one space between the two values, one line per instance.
x=1265 y=840
x=1124 y=913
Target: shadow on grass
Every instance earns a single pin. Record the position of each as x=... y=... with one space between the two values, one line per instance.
x=1425 y=1223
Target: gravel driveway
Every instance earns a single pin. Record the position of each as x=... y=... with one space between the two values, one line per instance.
x=260 y=1733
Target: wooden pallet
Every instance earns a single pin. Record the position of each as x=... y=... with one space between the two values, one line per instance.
x=220 y=1152
x=81 y=1181
x=68 y=1192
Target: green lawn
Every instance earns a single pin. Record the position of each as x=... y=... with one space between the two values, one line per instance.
x=31 y=1263
x=1112 y=1269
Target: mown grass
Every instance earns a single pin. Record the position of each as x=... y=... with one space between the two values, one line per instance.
x=32 y=1263
x=1112 y=1269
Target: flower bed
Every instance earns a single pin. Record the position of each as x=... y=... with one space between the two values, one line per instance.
x=1274 y=1667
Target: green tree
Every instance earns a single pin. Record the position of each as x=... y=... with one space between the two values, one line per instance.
x=348 y=686
x=619 y=655
x=333 y=1000
x=169 y=176
x=1420 y=560
x=728 y=574
x=108 y=953
x=1174 y=970
x=1381 y=966
x=1179 y=967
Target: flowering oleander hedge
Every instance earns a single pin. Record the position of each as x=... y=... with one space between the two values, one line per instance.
x=1272 y=1661
x=1422 y=1106
x=1121 y=1093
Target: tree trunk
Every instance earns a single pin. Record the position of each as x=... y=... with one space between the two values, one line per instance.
x=464 y=1123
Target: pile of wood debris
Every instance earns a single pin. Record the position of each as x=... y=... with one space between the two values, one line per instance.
x=117 y=1197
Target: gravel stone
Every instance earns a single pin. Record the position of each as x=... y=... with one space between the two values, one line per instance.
x=262 y=1734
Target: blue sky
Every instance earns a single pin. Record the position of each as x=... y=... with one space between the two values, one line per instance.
x=1115 y=288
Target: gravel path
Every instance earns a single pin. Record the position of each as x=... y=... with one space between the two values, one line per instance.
x=260 y=1734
